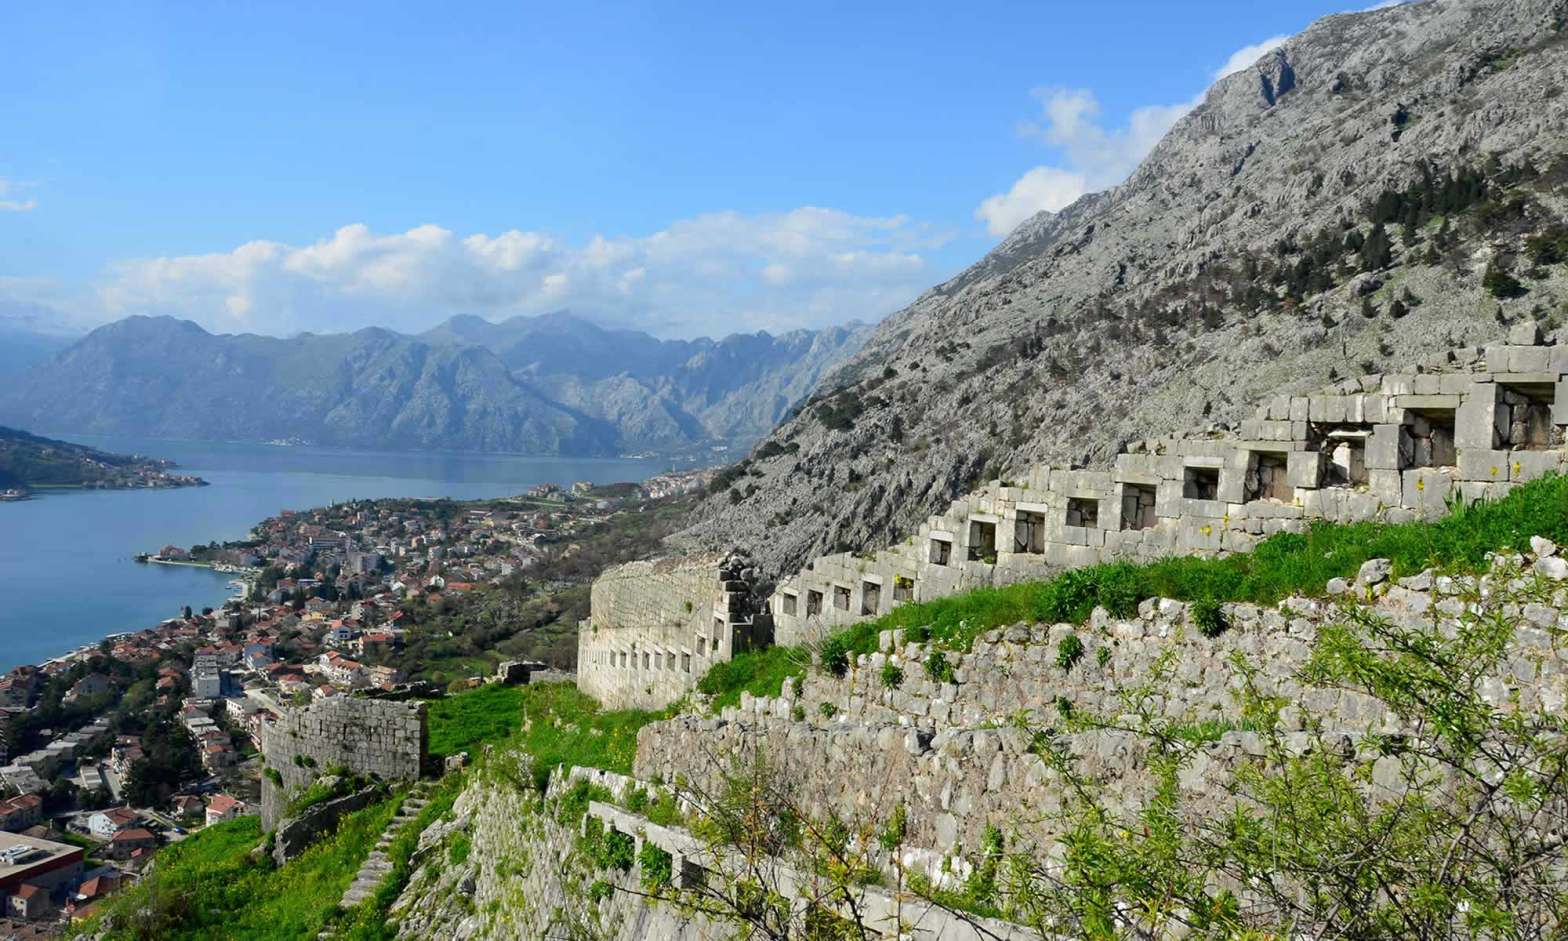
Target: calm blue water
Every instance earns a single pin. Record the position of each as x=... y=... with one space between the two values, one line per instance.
x=65 y=559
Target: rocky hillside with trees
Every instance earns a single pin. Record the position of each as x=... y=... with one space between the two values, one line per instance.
x=29 y=461
x=1385 y=186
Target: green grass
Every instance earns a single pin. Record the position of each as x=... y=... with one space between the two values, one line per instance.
x=567 y=727
x=464 y=720
x=553 y=722
x=759 y=672
x=208 y=887
x=1281 y=566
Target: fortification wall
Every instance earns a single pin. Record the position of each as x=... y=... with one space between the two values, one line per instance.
x=366 y=736
x=961 y=756
x=656 y=627
x=1385 y=447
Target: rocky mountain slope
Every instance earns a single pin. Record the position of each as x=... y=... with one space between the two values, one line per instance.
x=1385 y=186
x=548 y=385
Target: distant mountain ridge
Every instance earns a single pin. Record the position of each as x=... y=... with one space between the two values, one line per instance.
x=556 y=384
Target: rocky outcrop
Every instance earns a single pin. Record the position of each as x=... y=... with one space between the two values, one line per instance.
x=1223 y=271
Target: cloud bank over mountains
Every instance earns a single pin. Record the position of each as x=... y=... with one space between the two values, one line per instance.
x=712 y=274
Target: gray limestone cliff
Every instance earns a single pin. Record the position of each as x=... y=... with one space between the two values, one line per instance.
x=1385 y=186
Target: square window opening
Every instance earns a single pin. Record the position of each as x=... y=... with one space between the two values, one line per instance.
x=982 y=541
x=1524 y=416
x=870 y=598
x=1428 y=440
x=1267 y=478
x=1029 y=533
x=941 y=552
x=1137 y=506
x=1200 y=483
x=1084 y=512
x=841 y=597
x=813 y=603
x=789 y=603
x=903 y=589
x=1346 y=453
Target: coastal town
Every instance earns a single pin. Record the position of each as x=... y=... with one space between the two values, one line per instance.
x=115 y=749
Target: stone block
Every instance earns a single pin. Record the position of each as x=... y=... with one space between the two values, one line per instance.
x=1475 y=421
x=1525 y=333
x=1304 y=469
x=1530 y=465
x=1496 y=357
x=1426 y=491
x=1387 y=486
x=1382 y=452
x=1454 y=383
x=1560 y=403
x=1300 y=408
x=1529 y=359
x=1483 y=465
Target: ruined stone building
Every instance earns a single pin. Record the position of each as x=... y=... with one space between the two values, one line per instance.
x=656 y=627
x=1382 y=447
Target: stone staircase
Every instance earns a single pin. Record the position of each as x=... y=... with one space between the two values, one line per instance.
x=378 y=864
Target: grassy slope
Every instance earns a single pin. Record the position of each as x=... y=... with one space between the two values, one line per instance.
x=208 y=888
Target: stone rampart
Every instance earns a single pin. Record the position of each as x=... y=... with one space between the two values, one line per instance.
x=960 y=752
x=380 y=738
x=1388 y=447
x=656 y=627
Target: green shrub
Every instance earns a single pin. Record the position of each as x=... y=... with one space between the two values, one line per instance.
x=892 y=675
x=606 y=848
x=1103 y=655
x=938 y=668
x=657 y=866
x=835 y=655
x=798 y=713
x=1209 y=616
x=828 y=710
x=1069 y=650
x=758 y=672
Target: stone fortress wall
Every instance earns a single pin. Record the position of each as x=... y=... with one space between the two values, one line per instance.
x=958 y=752
x=367 y=736
x=656 y=627
x=1388 y=447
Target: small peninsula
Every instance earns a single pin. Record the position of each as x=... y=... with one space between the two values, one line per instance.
x=30 y=463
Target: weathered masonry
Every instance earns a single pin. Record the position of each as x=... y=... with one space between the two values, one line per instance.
x=656 y=627
x=365 y=736
x=1389 y=447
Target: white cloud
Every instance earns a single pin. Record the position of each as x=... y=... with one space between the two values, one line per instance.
x=1248 y=55
x=11 y=196
x=1041 y=189
x=712 y=274
x=1091 y=156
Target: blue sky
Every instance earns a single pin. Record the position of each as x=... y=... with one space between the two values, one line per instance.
x=685 y=168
